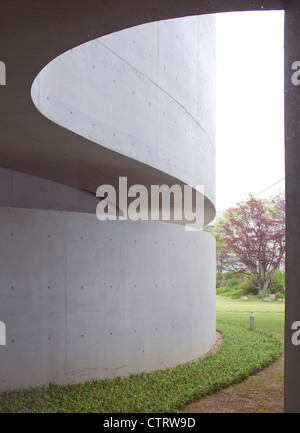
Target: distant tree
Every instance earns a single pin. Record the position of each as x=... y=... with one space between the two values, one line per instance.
x=251 y=239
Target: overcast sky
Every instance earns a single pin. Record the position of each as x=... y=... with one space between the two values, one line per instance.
x=250 y=110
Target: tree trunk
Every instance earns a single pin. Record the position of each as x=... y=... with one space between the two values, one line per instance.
x=260 y=289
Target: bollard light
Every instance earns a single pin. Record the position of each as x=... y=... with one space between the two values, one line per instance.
x=251 y=321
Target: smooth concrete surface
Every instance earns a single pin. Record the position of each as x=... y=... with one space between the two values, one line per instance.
x=22 y=190
x=130 y=93
x=108 y=91
x=82 y=298
x=34 y=33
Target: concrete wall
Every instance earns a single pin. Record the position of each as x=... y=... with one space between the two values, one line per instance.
x=82 y=298
x=22 y=190
x=146 y=92
x=25 y=134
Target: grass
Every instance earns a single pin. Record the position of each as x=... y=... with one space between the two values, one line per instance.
x=242 y=353
x=268 y=316
x=225 y=304
x=262 y=392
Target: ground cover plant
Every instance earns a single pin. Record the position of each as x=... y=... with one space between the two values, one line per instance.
x=262 y=392
x=242 y=353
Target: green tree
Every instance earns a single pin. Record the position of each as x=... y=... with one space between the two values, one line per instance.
x=251 y=239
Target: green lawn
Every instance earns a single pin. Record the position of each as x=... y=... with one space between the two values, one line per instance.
x=242 y=353
x=268 y=316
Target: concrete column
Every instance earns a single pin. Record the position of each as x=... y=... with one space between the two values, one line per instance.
x=292 y=155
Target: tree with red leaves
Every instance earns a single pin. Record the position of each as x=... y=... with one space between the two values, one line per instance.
x=251 y=239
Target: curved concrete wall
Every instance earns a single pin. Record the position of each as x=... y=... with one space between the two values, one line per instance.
x=31 y=144
x=20 y=190
x=82 y=298
x=131 y=93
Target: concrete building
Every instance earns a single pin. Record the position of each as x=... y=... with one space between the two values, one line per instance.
x=84 y=298
x=51 y=167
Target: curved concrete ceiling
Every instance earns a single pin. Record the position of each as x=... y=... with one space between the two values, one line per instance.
x=32 y=34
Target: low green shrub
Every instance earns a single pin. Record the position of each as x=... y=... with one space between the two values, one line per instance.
x=277 y=283
x=222 y=290
x=233 y=282
x=247 y=287
x=237 y=293
x=234 y=292
x=243 y=352
x=267 y=294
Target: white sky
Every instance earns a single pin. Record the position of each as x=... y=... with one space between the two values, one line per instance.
x=250 y=110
